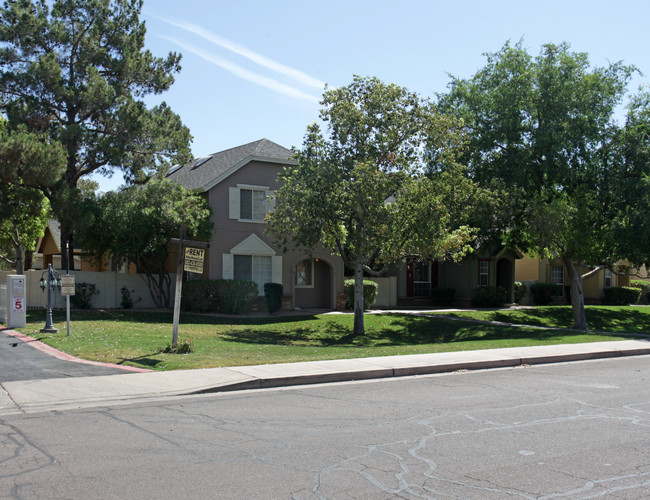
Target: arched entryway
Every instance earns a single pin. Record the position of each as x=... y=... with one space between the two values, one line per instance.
x=505 y=277
x=312 y=283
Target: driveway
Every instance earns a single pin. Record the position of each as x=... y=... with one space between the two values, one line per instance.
x=24 y=358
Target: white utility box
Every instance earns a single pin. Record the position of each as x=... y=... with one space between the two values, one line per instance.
x=16 y=301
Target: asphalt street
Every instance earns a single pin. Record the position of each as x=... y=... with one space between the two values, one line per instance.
x=555 y=431
x=21 y=361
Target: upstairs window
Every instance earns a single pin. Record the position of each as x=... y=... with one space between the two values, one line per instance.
x=250 y=203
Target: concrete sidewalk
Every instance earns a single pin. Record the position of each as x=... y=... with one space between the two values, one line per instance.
x=32 y=396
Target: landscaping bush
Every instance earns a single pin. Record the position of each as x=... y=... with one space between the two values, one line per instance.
x=127 y=298
x=621 y=295
x=199 y=296
x=489 y=296
x=273 y=296
x=543 y=293
x=236 y=296
x=370 y=289
x=222 y=296
x=442 y=297
x=520 y=291
x=645 y=290
x=83 y=295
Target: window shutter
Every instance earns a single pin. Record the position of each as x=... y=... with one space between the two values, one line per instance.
x=233 y=202
x=227 y=266
x=276 y=263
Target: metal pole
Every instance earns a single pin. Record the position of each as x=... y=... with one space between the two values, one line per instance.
x=67 y=297
x=49 y=326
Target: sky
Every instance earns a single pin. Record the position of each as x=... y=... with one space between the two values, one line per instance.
x=256 y=69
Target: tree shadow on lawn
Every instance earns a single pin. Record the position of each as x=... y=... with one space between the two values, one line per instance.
x=402 y=330
x=144 y=360
x=158 y=317
x=603 y=318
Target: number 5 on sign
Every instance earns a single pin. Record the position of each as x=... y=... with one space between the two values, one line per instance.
x=18 y=304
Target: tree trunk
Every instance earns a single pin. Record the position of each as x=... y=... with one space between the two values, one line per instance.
x=19 y=253
x=577 y=296
x=359 y=328
x=67 y=251
x=29 y=259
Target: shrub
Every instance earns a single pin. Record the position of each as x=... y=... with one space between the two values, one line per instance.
x=543 y=293
x=370 y=289
x=520 y=291
x=182 y=347
x=442 y=297
x=199 y=296
x=236 y=296
x=489 y=296
x=127 y=299
x=222 y=296
x=83 y=295
x=645 y=289
x=273 y=296
x=621 y=295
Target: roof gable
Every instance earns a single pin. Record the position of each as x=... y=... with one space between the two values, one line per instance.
x=204 y=173
x=252 y=245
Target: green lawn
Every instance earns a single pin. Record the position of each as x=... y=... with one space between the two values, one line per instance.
x=134 y=338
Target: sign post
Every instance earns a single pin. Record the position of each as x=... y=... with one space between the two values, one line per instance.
x=190 y=258
x=67 y=289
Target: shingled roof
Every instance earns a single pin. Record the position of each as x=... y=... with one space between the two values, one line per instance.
x=204 y=173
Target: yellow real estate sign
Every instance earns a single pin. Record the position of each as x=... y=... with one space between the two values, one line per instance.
x=194 y=260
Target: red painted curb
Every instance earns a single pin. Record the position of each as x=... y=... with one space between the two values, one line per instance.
x=37 y=344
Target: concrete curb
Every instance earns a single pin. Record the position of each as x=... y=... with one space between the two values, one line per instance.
x=81 y=392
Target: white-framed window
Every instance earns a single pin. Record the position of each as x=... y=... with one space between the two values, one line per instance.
x=557 y=277
x=483 y=272
x=248 y=203
x=422 y=279
x=257 y=268
x=252 y=260
x=251 y=204
x=608 y=278
x=305 y=273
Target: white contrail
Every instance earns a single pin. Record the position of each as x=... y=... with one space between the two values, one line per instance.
x=295 y=74
x=244 y=73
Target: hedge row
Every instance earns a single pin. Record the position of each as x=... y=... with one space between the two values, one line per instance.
x=220 y=296
x=621 y=295
x=543 y=293
x=645 y=289
x=489 y=296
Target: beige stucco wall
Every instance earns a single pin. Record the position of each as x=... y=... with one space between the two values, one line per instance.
x=527 y=269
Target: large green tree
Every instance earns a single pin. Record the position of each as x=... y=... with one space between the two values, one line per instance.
x=27 y=160
x=544 y=127
x=631 y=236
x=361 y=191
x=77 y=71
x=135 y=224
